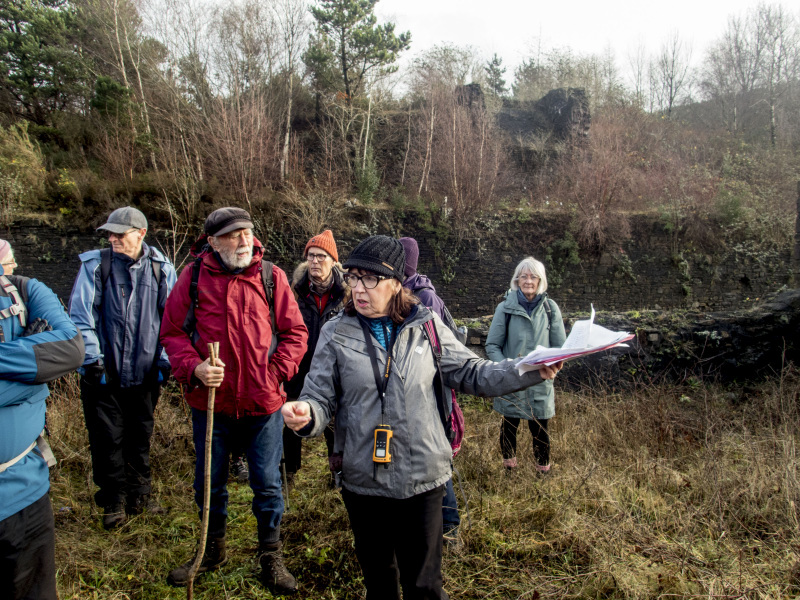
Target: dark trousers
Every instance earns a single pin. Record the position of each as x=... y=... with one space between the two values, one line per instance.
x=292 y=447
x=120 y=424
x=541 y=439
x=260 y=437
x=399 y=544
x=27 y=553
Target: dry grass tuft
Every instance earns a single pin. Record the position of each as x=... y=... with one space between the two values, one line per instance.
x=684 y=492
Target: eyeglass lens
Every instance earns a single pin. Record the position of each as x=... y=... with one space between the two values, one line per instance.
x=369 y=281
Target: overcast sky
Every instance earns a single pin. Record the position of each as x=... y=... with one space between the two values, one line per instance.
x=511 y=27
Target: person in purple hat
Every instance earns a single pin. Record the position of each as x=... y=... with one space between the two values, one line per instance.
x=422 y=288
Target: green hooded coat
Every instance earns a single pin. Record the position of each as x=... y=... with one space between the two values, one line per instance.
x=522 y=334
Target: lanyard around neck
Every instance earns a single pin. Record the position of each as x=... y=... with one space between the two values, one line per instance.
x=380 y=382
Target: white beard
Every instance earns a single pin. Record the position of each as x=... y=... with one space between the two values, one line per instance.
x=236 y=261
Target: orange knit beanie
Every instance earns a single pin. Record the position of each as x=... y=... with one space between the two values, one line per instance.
x=325 y=242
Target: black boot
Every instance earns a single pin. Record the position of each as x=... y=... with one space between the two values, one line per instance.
x=214 y=557
x=144 y=503
x=274 y=574
x=113 y=516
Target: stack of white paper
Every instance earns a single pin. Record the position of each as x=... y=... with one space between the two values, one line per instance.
x=585 y=338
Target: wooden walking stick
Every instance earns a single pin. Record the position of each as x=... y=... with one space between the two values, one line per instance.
x=213 y=351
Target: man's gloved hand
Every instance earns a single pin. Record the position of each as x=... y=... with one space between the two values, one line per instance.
x=95 y=373
x=36 y=326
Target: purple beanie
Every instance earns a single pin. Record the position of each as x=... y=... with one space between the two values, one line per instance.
x=412 y=255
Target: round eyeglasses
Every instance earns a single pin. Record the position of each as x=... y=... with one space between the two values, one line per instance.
x=369 y=281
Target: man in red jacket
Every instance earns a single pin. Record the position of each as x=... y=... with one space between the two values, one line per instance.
x=233 y=309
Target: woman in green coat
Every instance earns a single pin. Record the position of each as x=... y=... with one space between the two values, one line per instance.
x=527 y=318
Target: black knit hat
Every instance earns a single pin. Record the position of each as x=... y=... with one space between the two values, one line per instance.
x=380 y=254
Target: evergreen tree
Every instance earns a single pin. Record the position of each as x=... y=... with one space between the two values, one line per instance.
x=348 y=36
x=41 y=69
x=494 y=76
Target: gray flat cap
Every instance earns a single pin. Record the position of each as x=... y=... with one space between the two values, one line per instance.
x=123 y=219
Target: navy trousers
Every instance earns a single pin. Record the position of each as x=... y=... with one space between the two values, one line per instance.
x=262 y=441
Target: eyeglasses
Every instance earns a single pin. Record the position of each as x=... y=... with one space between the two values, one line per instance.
x=119 y=236
x=316 y=257
x=527 y=278
x=369 y=281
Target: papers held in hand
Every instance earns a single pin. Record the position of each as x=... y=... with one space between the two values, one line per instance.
x=585 y=338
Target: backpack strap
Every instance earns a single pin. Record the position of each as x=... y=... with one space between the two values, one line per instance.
x=269 y=292
x=269 y=284
x=445 y=411
x=162 y=289
x=547 y=308
x=190 y=320
x=18 y=309
x=105 y=266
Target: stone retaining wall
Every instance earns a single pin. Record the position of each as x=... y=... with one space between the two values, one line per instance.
x=648 y=271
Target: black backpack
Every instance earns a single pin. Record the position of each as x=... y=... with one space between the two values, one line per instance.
x=190 y=322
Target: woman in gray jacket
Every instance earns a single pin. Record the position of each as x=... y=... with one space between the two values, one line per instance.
x=527 y=318
x=374 y=370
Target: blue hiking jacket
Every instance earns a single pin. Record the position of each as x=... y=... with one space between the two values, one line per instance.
x=26 y=364
x=120 y=324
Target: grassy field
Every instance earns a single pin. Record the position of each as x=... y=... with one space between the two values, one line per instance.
x=668 y=492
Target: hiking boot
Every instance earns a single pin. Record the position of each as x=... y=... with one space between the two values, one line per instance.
x=239 y=470
x=510 y=463
x=214 y=557
x=113 y=516
x=543 y=470
x=274 y=574
x=144 y=503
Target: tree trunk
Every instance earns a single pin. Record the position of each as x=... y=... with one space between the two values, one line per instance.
x=285 y=154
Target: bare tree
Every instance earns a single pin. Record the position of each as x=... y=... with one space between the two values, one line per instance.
x=637 y=61
x=670 y=73
x=781 y=58
x=293 y=27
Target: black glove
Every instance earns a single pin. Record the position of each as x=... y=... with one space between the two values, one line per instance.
x=164 y=371
x=94 y=373
x=36 y=326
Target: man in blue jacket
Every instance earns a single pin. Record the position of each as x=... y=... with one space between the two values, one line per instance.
x=38 y=343
x=117 y=302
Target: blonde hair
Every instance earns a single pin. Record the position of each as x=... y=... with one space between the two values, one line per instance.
x=536 y=268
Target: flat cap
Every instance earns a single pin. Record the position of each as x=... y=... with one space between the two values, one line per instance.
x=225 y=220
x=123 y=219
